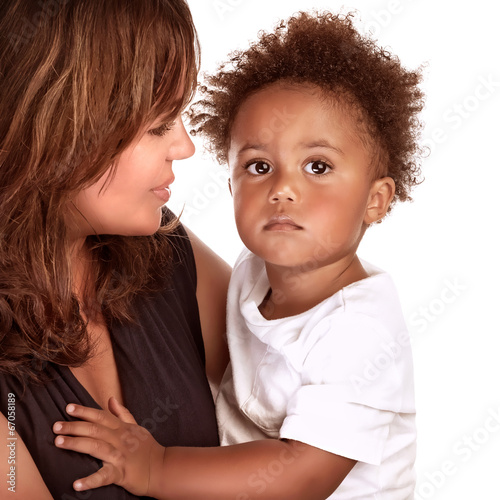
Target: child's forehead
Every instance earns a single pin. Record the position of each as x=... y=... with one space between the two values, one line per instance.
x=318 y=117
x=327 y=100
x=283 y=103
x=285 y=87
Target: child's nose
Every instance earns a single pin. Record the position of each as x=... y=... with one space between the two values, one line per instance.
x=284 y=189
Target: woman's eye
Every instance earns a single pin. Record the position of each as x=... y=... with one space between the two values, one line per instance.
x=161 y=130
x=258 y=168
x=318 y=167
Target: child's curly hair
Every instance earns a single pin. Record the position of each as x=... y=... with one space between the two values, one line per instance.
x=327 y=51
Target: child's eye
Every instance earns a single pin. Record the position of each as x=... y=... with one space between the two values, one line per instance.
x=317 y=167
x=161 y=130
x=258 y=168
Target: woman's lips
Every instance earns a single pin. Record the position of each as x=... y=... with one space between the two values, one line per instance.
x=281 y=222
x=163 y=193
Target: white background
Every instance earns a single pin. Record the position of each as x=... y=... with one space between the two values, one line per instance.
x=441 y=249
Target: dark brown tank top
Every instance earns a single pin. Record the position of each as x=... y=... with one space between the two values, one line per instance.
x=161 y=366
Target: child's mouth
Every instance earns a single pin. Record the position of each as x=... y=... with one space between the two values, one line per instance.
x=281 y=222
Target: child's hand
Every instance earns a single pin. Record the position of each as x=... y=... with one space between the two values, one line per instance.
x=129 y=452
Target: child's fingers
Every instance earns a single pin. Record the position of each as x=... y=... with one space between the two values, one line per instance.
x=91 y=415
x=98 y=449
x=104 y=476
x=84 y=429
x=120 y=411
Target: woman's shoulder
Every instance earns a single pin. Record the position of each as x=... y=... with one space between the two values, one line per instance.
x=16 y=462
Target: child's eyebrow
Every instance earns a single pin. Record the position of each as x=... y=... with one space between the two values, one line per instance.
x=246 y=147
x=322 y=144
x=306 y=145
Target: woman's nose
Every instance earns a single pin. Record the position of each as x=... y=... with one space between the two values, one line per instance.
x=182 y=146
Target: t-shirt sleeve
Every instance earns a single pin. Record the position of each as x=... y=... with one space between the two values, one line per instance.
x=354 y=382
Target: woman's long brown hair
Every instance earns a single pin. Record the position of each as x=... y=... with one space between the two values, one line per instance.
x=78 y=80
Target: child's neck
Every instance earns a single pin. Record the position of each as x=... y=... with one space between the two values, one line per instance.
x=296 y=291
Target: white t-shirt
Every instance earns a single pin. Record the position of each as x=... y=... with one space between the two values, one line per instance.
x=338 y=377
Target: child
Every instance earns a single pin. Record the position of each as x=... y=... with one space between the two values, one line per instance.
x=319 y=128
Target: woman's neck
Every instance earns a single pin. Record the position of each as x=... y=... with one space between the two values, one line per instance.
x=80 y=267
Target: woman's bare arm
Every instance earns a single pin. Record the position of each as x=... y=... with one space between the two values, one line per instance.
x=213 y=280
x=17 y=468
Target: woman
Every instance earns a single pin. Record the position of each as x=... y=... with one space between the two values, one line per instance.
x=99 y=286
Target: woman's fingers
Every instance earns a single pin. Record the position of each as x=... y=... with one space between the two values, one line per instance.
x=104 y=476
x=120 y=411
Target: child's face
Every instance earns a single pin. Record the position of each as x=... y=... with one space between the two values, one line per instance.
x=300 y=178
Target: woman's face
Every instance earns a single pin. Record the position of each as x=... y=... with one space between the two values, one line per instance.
x=129 y=200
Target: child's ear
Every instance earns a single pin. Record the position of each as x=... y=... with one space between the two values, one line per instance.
x=381 y=195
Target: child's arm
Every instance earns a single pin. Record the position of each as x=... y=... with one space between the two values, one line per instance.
x=267 y=469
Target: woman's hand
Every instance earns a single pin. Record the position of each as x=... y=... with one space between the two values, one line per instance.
x=129 y=452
